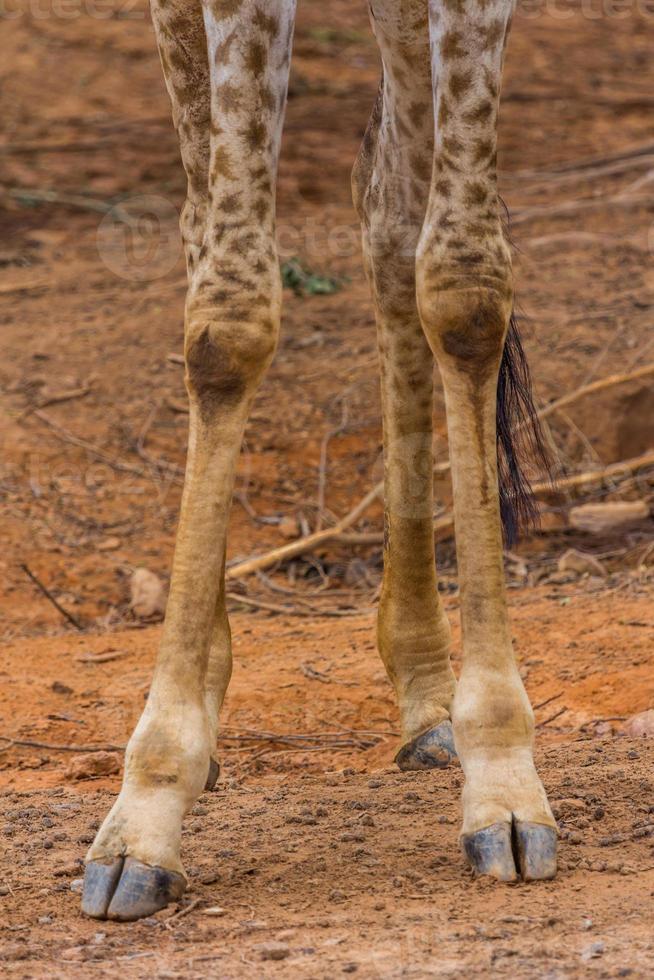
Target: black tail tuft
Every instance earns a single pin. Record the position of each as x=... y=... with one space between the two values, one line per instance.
x=518 y=434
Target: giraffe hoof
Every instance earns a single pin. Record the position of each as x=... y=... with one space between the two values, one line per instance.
x=212 y=778
x=535 y=845
x=434 y=749
x=127 y=889
x=509 y=851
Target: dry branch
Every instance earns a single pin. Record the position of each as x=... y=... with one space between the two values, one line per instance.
x=309 y=741
x=308 y=543
x=37 y=195
x=74 y=440
x=62 y=396
x=609 y=382
x=311 y=613
x=49 y=596
x=29 y=744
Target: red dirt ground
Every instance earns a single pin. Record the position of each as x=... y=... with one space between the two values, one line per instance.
x=323 y=847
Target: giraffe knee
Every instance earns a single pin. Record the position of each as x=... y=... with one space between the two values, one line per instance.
x=467 y=326
x=225 y=361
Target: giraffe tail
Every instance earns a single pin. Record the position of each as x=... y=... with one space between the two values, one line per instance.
x=519 y=437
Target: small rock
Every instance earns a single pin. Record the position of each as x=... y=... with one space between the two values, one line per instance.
x=77 y=885
x=94 y=764
x=607 y=517
x=592 y=952
x=60 y=688
x=580 y=563
x=288 y=528
x=109 y=544
x=641 y=725
x=215 y=910
x=560 y=578
x=66 y=870
x=5 y=890
x=147 y=594
x=273 y=951
x=72 y=953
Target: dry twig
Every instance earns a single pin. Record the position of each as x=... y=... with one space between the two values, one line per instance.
x=30 y=744
x=49 y=596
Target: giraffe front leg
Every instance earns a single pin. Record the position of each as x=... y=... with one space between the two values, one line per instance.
x=232 y=323
x=465 y=298
x=391 y=187
x=508 y=827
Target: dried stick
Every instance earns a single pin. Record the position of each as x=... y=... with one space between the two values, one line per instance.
x=62 y=396
x=49 y=596
x=168 y=923
x=29 y=744
x=290 y=610
x=66 y=436
x=594 y=387
x=542 y=704
x=28 y=287
x=617 y=471
x=622 y=199
x=36 y=195
x=308 y=543
x=322 y=472
x=546 y=721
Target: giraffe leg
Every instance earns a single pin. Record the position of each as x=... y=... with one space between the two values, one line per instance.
x=232 y=322
x=182 y=42
x=465 y=296
x=391 y=187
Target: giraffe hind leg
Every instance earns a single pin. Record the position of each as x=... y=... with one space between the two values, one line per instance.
x=391 y=188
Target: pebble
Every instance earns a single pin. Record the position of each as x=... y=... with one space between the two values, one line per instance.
x=109 y=544
x=273 y=951
x=92 y=764
x=593 y=951
x=77 y=885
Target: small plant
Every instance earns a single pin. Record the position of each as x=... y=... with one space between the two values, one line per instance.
x=304 y=282
x=330 y=35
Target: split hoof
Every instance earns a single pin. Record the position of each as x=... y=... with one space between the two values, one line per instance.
x=509 y=851
x=212 y=778
x=434 y=749
x=127 y=889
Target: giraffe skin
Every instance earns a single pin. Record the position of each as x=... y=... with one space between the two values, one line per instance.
x=425 y=188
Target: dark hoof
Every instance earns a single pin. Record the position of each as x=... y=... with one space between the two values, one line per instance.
x=433 y=749
x=535 y=846
x=489 y=852
x=100 y=882
x=126 y=889
x=508 y=851
x=212 y=778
